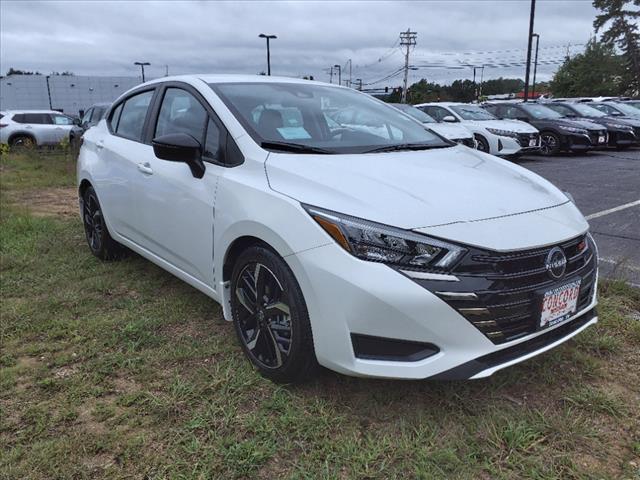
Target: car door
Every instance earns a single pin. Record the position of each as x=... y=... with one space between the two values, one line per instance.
x=121 y=148
x=176 y=210
x=62 y=125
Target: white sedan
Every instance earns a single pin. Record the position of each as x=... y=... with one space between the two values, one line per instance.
x=504 y=138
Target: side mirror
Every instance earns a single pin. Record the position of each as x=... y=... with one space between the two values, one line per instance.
x=449 y=119
x=180 y=147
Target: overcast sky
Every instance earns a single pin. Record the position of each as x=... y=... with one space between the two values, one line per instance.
x=105 y=38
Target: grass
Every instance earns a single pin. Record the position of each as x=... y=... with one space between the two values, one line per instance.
x=120 y=370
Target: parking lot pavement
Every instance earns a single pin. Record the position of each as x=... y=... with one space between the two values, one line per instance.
x=606 y=188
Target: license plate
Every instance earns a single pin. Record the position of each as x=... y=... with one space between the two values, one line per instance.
x=559 y=304
x=532 y=142
x=601 y=139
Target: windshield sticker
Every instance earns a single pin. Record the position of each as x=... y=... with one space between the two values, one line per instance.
x=293 y=133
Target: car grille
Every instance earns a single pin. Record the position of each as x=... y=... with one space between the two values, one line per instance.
x=501 y=293
x=524 y=138
x=595 y=134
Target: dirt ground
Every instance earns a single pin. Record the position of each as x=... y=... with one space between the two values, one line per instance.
x=48 y=202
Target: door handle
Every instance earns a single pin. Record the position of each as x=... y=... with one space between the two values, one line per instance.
x=100 y=145
x=145 y=168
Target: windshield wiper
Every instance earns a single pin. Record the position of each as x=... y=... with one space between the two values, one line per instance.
x=294 y=147
x=405 y=146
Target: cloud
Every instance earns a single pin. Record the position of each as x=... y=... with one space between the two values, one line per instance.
x=91 y=37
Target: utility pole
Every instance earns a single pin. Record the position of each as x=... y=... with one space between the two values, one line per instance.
x=142 y=65
x=530 y=40
x=535 y=66
x=331 y=74
x=166 y=70
x=359 y=80
x=477 y=90
x=407 y=39
x=350 y=83
x=339 y=74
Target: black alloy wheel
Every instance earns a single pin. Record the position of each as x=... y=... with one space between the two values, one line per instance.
x=483 y=144
x=270 y=316
x=100 y=242
x=549 y=143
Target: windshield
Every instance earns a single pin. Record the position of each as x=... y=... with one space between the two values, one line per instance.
x=626 y=109
x=336 y=120
x=540 y=112
x=472 y=112
x=588 y=111
x=414 y=112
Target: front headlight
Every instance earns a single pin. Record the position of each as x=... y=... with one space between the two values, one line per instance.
x=376 y=242
x=581 y=131
x=503 y=133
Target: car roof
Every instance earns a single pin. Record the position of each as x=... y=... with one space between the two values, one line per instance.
x=237 y=78
x=9 y=112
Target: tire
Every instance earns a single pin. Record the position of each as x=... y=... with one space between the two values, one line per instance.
x=274 y=332
x=98 y=238
x=26 y=142
x=549 y=143
x=483 y=144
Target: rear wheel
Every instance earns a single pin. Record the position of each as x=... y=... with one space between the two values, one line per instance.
x=100 y=242
x=23 y=142
x=549 y=143
x=270 y=317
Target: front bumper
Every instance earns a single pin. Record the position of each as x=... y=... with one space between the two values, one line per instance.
x=346 y=297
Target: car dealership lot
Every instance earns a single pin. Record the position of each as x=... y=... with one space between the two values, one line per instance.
x=604 y=185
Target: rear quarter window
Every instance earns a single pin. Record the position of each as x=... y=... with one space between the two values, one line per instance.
x=133 y=115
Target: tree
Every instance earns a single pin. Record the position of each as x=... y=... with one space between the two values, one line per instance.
x=14 y=71
x=597 y=71
x=622 y=21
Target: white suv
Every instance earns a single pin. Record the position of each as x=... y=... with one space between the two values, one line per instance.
x=504 y=138
x=31 y=128
x=384 y=251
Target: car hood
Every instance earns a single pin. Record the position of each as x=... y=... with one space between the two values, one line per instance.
x=586 y=124
x=413 y=189
x=510 y=125
x=450 y=131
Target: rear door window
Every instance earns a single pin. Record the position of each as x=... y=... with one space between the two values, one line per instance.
x=134 y=113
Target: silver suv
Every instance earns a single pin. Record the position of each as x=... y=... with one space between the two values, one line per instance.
x=35 y=128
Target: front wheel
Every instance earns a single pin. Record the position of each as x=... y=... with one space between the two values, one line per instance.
x=270 y=317
x=549 y=143
x=483 y=144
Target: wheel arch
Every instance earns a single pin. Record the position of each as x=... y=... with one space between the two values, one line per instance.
x=21 y=133
x=234 y=250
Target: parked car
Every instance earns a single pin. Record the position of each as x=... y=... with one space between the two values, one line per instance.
x=617 y=109
x=450 y=131
x=504 y=138
x=397 y=257
x=93 y=115
x=35 y=128
x=622 y=132
x=557 y=133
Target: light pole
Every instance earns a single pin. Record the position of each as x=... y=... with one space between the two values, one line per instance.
x=339 y=74
x=535 y=67
x=532 y=15
x=268 y=37
x=142 y=65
